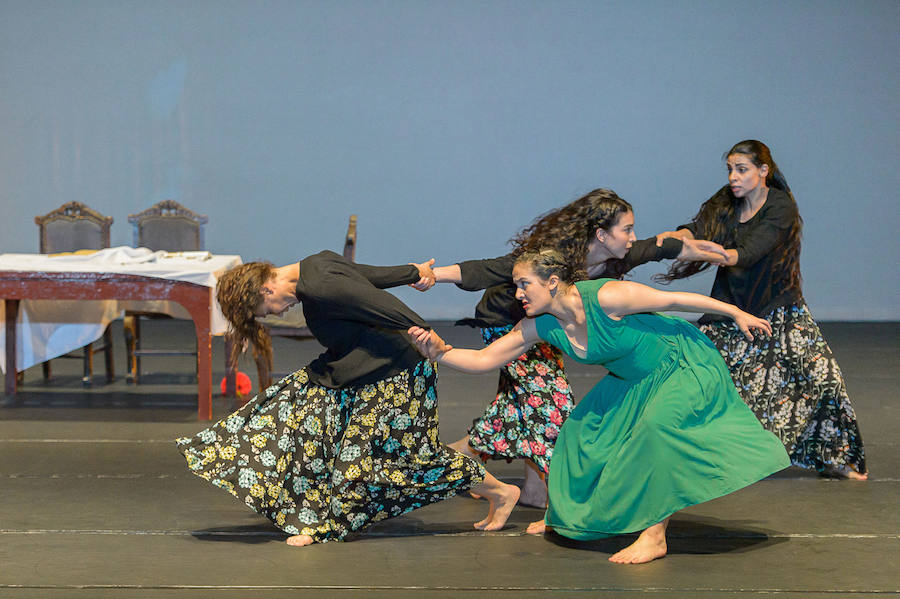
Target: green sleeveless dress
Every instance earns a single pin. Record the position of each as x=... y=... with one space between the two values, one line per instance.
x=666 y=429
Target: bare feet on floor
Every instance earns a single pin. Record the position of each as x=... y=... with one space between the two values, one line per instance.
x=299 y=540
x=502 y=499
x=846 y=472
x=650 y=545
x=538 y=527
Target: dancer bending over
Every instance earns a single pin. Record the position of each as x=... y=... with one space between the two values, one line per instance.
x=790 y=380
x=352 y=438
x=663 y=431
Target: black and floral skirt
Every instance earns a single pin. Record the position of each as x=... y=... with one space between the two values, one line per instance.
x=794 y=385
x=325 y=462
x=533 y=400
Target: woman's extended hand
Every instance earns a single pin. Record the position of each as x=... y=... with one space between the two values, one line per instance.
x=679 y=234
x=701 y=250
x=426 y=275
x=428 y=342
x=746 y=322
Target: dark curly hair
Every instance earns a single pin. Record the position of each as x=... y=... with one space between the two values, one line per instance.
x=719 y=215
x=570 y=229
x=238 y=293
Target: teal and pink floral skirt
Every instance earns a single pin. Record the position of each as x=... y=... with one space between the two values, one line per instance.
x=533 y=400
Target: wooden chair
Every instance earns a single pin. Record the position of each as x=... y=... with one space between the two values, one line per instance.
x=69 y=228
x=165 y=226
x=291 y=323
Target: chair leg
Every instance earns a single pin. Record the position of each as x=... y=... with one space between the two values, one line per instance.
x=108 y=356
x=129 y=325
x=88 y=363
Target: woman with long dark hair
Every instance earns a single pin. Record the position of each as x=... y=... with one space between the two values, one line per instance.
x=663 y=431
x=594 y=233
x=791 y=380
x=352 y=438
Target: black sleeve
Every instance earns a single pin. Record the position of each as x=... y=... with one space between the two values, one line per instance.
x=646 y=250
x=351 y=299
x=766 y=233
x=481 y=274
x=691 y=226
x=388 y=276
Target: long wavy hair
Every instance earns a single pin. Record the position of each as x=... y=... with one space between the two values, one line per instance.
x=569 y=230
x=239 y=297
x=719 y=215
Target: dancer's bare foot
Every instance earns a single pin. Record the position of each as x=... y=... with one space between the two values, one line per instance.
x=299 y=540
x=846 y=472
x=502 y=499
x=650 y=545
x=534 y=490
x=538 y=527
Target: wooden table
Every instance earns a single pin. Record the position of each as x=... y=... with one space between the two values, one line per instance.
x=196 y=299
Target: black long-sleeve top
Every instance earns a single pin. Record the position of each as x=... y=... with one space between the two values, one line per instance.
x=753 y=284
x=362 y=327
x=499 y=306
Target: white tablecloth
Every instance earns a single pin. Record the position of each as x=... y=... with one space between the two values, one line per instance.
x=49 y=328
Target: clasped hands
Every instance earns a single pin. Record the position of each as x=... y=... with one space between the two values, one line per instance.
x=428 y=342
x=427 y=278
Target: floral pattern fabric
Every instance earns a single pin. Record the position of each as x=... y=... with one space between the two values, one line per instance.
x=533 y=400
x=794 y=385
x=325 y=462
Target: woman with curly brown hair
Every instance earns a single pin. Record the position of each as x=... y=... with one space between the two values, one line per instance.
x=352 y=438
x=790 y=380
x=595 y=234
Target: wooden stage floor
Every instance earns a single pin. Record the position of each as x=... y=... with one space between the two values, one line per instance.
x=96 y=503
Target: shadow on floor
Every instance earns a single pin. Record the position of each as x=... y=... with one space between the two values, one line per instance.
x=688 y=535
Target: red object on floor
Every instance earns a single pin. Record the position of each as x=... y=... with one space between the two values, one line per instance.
x=242 y=384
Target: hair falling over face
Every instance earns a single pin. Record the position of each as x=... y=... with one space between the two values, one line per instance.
x=238 y=293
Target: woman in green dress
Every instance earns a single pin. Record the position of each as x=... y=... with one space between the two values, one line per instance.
x=664 y=430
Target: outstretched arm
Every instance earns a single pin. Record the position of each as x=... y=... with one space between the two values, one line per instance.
x=500 y=352
x=620 y=298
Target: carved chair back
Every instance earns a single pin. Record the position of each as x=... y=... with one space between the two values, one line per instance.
x=168 y=226
x=73 y=226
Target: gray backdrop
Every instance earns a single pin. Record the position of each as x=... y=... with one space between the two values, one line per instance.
x=446 y=126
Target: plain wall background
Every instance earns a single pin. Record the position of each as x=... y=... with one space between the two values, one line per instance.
x=448 y=126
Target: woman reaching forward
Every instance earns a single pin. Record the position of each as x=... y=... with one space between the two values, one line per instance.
x=352 y=438
x=663 y=431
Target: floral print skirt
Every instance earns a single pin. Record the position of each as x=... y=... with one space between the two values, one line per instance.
x=533 y=400
x=794 y=385
x=326 y=462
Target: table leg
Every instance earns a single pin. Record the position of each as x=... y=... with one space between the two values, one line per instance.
x=12 y=313
x=230 y=368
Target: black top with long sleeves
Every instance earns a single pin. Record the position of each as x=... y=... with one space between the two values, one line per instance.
x=499 y=306
x=753 y=284
x=362 y=327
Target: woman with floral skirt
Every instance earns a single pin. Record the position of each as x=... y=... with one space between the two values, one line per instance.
x=352 y=438
x=791 y=380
